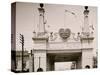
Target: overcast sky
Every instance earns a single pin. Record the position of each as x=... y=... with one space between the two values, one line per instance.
x=27 y=16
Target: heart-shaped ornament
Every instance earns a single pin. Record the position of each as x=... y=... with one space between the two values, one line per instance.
x=64 y=33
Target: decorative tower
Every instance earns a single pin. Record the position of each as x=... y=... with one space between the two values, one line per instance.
x=86 y=22
x=87 y=42
x=41 y=26
x=86 y=35
x=40 y=40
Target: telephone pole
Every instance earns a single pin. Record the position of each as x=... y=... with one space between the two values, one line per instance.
x=22 y=43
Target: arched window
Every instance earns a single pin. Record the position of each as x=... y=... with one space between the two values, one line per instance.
x=87 y=66
x=39 y=70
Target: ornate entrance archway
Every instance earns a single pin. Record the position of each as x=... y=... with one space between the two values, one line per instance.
x=63 y=57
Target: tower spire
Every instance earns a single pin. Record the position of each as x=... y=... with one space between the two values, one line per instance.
x=86 y=22
x=41 y=27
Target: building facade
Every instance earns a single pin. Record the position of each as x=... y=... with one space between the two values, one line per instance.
x=50 y=47
x=48 y=50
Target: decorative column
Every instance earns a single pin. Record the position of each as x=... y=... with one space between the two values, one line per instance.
x=40 y=43
x=86 y=22
x=87 y=43
x=41 y=26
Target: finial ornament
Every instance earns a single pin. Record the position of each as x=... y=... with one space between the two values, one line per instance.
x=41 y=5
x=86 y=7
x=86 y=11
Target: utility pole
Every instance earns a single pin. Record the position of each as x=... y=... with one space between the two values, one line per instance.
x=22 y=42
